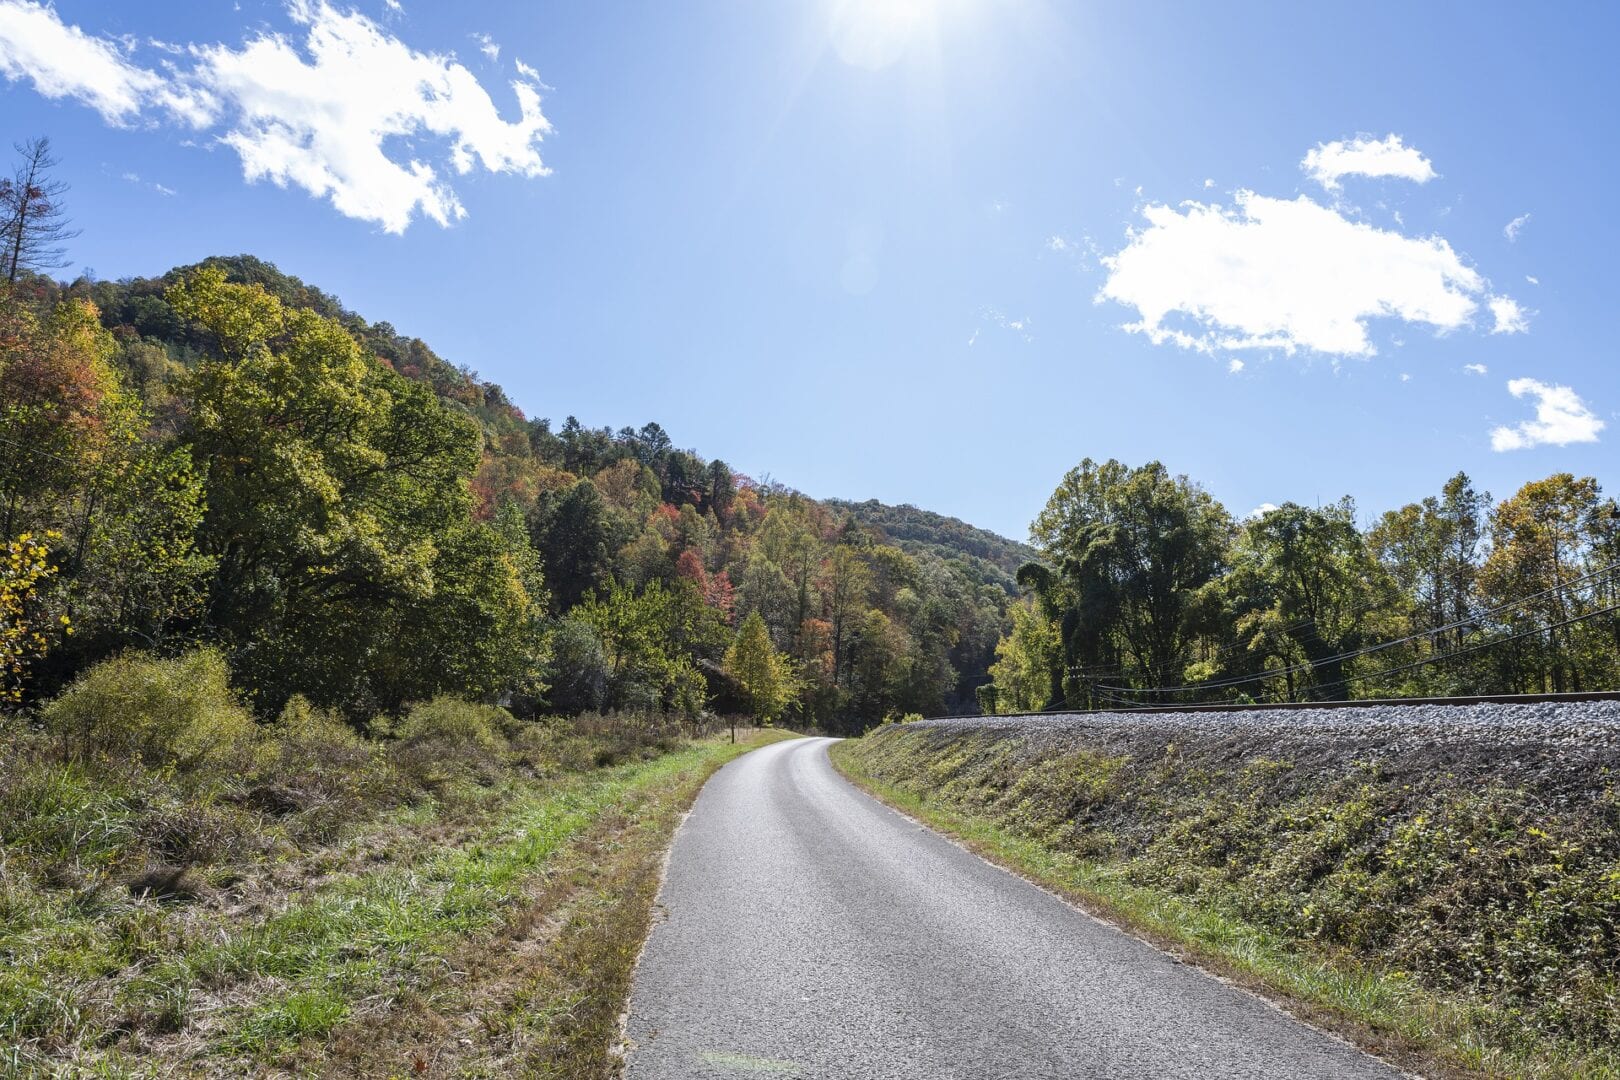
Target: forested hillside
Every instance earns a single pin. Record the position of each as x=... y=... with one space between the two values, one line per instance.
x=225 y=455
x=923 y=532
x=1150 y=592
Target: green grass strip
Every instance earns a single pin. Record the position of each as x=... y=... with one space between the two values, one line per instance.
x=365 y=936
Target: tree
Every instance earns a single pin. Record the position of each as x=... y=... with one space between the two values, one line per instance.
x=722 y=489
x=645 y=642
x=1134 y=547
x=846 y=586
x=61 y=406
x=1432 y=550
x=1306 y=577
x=337 y=495
x=1545 y=540
x=1027 y=673
x=33 y=222
x=764 y=675
x=577 y=535
x=24 y=566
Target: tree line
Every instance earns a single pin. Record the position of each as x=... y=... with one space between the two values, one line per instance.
x=1149 y=591
x=225 y=456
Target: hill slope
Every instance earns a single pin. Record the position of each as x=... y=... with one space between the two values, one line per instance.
x=640 y=560
x=918 y=532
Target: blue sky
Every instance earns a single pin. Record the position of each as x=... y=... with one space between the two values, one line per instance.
x=928 y=251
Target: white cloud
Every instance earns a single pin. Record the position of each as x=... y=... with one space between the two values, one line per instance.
x=488 y=46
x=1330 y=162
x=1510 y=317
x=1021 y=327
x=526 y=71
x=135 y=178
x=1475 y=369
x=394 y=5
x=1234 y=366
x=1561 y=418
x=1280 y=274
x=317 y=114
x=1260 y=511
x=1059 y=245
x=1512 y=228
x=1208 y=183
x=65 y=62
x=1532 y=279
x=1405 y=377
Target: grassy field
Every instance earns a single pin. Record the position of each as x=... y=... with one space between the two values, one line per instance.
x=1263 y=884
x=399 y=911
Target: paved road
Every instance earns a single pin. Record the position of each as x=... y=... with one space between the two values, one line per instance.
x=809 y=931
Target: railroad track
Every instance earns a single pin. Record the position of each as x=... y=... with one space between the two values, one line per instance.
x=1478 y=699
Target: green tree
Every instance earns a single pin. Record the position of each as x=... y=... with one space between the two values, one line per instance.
x=577 y=535
x=764 y=675
x=1134 y=548
x=1028 y=669
x=335 y=488
x=642 y=637
x=1433 y=551
x=1305 y=579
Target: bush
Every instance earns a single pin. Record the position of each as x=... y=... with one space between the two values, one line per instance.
x=449 y=735
x=177 y=711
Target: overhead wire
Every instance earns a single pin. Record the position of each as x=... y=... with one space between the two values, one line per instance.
x=1310 y=665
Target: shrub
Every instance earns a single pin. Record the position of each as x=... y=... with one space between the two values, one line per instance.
x=178 y=711
x=449 y=735
x=455 y=724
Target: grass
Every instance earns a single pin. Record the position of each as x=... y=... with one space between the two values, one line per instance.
x=542 y=987
x=1383 y=1010
x=332 y=905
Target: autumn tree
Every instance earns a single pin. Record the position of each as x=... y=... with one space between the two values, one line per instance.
x=24 y=634
x=1548 y=573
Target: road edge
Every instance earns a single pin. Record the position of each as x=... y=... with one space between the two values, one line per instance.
x=1390 y=1048
x=622 y=1047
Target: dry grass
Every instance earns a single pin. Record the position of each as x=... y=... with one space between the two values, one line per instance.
x=280 y=915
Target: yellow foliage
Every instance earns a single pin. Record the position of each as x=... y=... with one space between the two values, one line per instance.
x=24 y=566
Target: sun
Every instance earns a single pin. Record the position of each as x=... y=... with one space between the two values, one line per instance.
x=873 y=34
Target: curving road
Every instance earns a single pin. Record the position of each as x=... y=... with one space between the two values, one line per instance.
x=809 y=931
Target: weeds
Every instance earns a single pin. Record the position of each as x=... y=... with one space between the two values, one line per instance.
x=1474 y=925
x=172 y=894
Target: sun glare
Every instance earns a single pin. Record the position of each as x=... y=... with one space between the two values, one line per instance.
x=873 y=34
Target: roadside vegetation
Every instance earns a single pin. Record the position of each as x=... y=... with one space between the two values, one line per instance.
x=184 y=888
x=1460 y=915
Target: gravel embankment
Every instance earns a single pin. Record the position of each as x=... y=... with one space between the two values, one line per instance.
x=1566 y=743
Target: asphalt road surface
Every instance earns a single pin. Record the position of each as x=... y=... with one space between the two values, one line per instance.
x=809 y=931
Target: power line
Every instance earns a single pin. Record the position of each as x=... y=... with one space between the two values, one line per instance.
x=1482 y=645
x=1134 y=706
x=1311 y=665
x=1120 y=673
